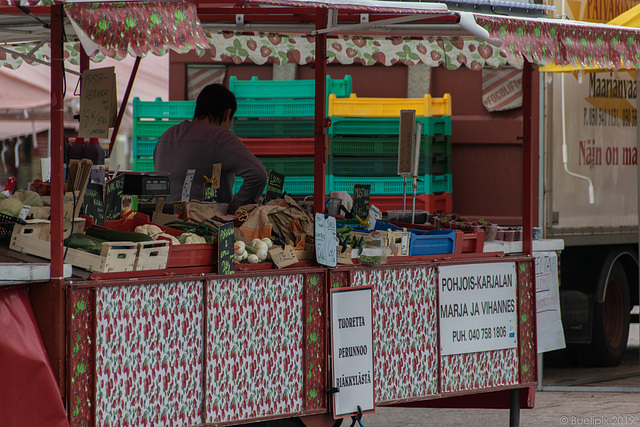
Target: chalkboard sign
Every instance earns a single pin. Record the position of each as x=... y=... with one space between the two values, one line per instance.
x=361 y=196
x=275 y=186
x=225 y=249
x=113 y=198
x=93 y=203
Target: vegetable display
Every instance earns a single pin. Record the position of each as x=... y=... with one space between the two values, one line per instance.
x=253 y=253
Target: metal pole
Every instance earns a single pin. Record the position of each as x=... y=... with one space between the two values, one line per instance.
x=527 y=159
x=57 y=145
x=319 y=148
x=514 y=407
x=123 y=106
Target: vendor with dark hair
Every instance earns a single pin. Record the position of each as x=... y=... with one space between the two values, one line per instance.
x=204 y=141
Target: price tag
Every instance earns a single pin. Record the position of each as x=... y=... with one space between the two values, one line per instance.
x=211 y=190
x=24 y=212
x=186 y=187
x=283 y=257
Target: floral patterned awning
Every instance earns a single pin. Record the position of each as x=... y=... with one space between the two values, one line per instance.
x=546 y=41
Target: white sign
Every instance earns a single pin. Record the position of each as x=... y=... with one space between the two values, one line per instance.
x=477 y=307
x=548 y=320
x=186 y=186
x=352 y=350
x=326 y=240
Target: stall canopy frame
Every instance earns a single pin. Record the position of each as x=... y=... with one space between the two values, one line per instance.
x=180 y=26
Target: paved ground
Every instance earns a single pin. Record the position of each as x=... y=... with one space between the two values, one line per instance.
x=585 y=397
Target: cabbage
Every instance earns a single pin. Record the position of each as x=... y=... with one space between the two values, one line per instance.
x=28 y=197
x=40 y=212
x=10 y=206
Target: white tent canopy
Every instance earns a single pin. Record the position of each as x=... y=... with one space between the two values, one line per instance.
x=28 y=88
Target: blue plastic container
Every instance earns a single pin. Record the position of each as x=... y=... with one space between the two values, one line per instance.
x=425 y=242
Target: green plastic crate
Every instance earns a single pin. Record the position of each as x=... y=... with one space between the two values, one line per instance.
x=355 y=126
x=294 y=165
x=160 y=109
x=368 y=146
x=152 y=128
x=143 y=164
x=275 y=108
x=143 y=147
x=385 y=166
x=295 y=185
x=388 y=185
x=255 y=88
x=273 y=128
x=440 y=145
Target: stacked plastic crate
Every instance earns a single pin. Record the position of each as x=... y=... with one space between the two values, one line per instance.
x=150 y=120
x=275 y=119
x=363 y=149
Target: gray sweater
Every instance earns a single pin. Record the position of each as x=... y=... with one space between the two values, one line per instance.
x=198 y=146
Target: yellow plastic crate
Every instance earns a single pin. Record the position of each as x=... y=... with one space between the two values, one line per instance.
x=388 y=107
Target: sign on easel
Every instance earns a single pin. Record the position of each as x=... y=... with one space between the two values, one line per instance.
x=352 y=350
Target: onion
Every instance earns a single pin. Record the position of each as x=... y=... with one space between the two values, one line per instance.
x=268 y=241
x=253 y=259
x=261 y=254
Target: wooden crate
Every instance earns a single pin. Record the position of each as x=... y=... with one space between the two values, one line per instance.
x=115 y=256
x=152 y=255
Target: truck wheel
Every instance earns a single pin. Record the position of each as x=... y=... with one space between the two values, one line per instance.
x=610 y=322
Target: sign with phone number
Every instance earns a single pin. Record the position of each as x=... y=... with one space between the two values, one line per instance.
x=477 y=307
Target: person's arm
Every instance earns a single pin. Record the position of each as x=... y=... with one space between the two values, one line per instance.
x=241 y=161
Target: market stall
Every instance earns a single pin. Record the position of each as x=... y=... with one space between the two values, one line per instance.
x=188 y=345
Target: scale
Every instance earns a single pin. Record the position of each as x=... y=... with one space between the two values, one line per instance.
x=142 y=189
x=146 y=184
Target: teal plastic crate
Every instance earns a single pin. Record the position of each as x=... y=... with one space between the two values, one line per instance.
x=160 y=109
x=295 y=185
x=368 y=146
x=289 y=166
x=385 y=166
x=143 y=164
x=257 y=89
x=273 y=128
x=392 y=185
x=143 y=147
x=355 y=126
x=275 y=108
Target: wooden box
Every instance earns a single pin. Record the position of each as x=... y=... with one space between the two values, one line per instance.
x=115 y=256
